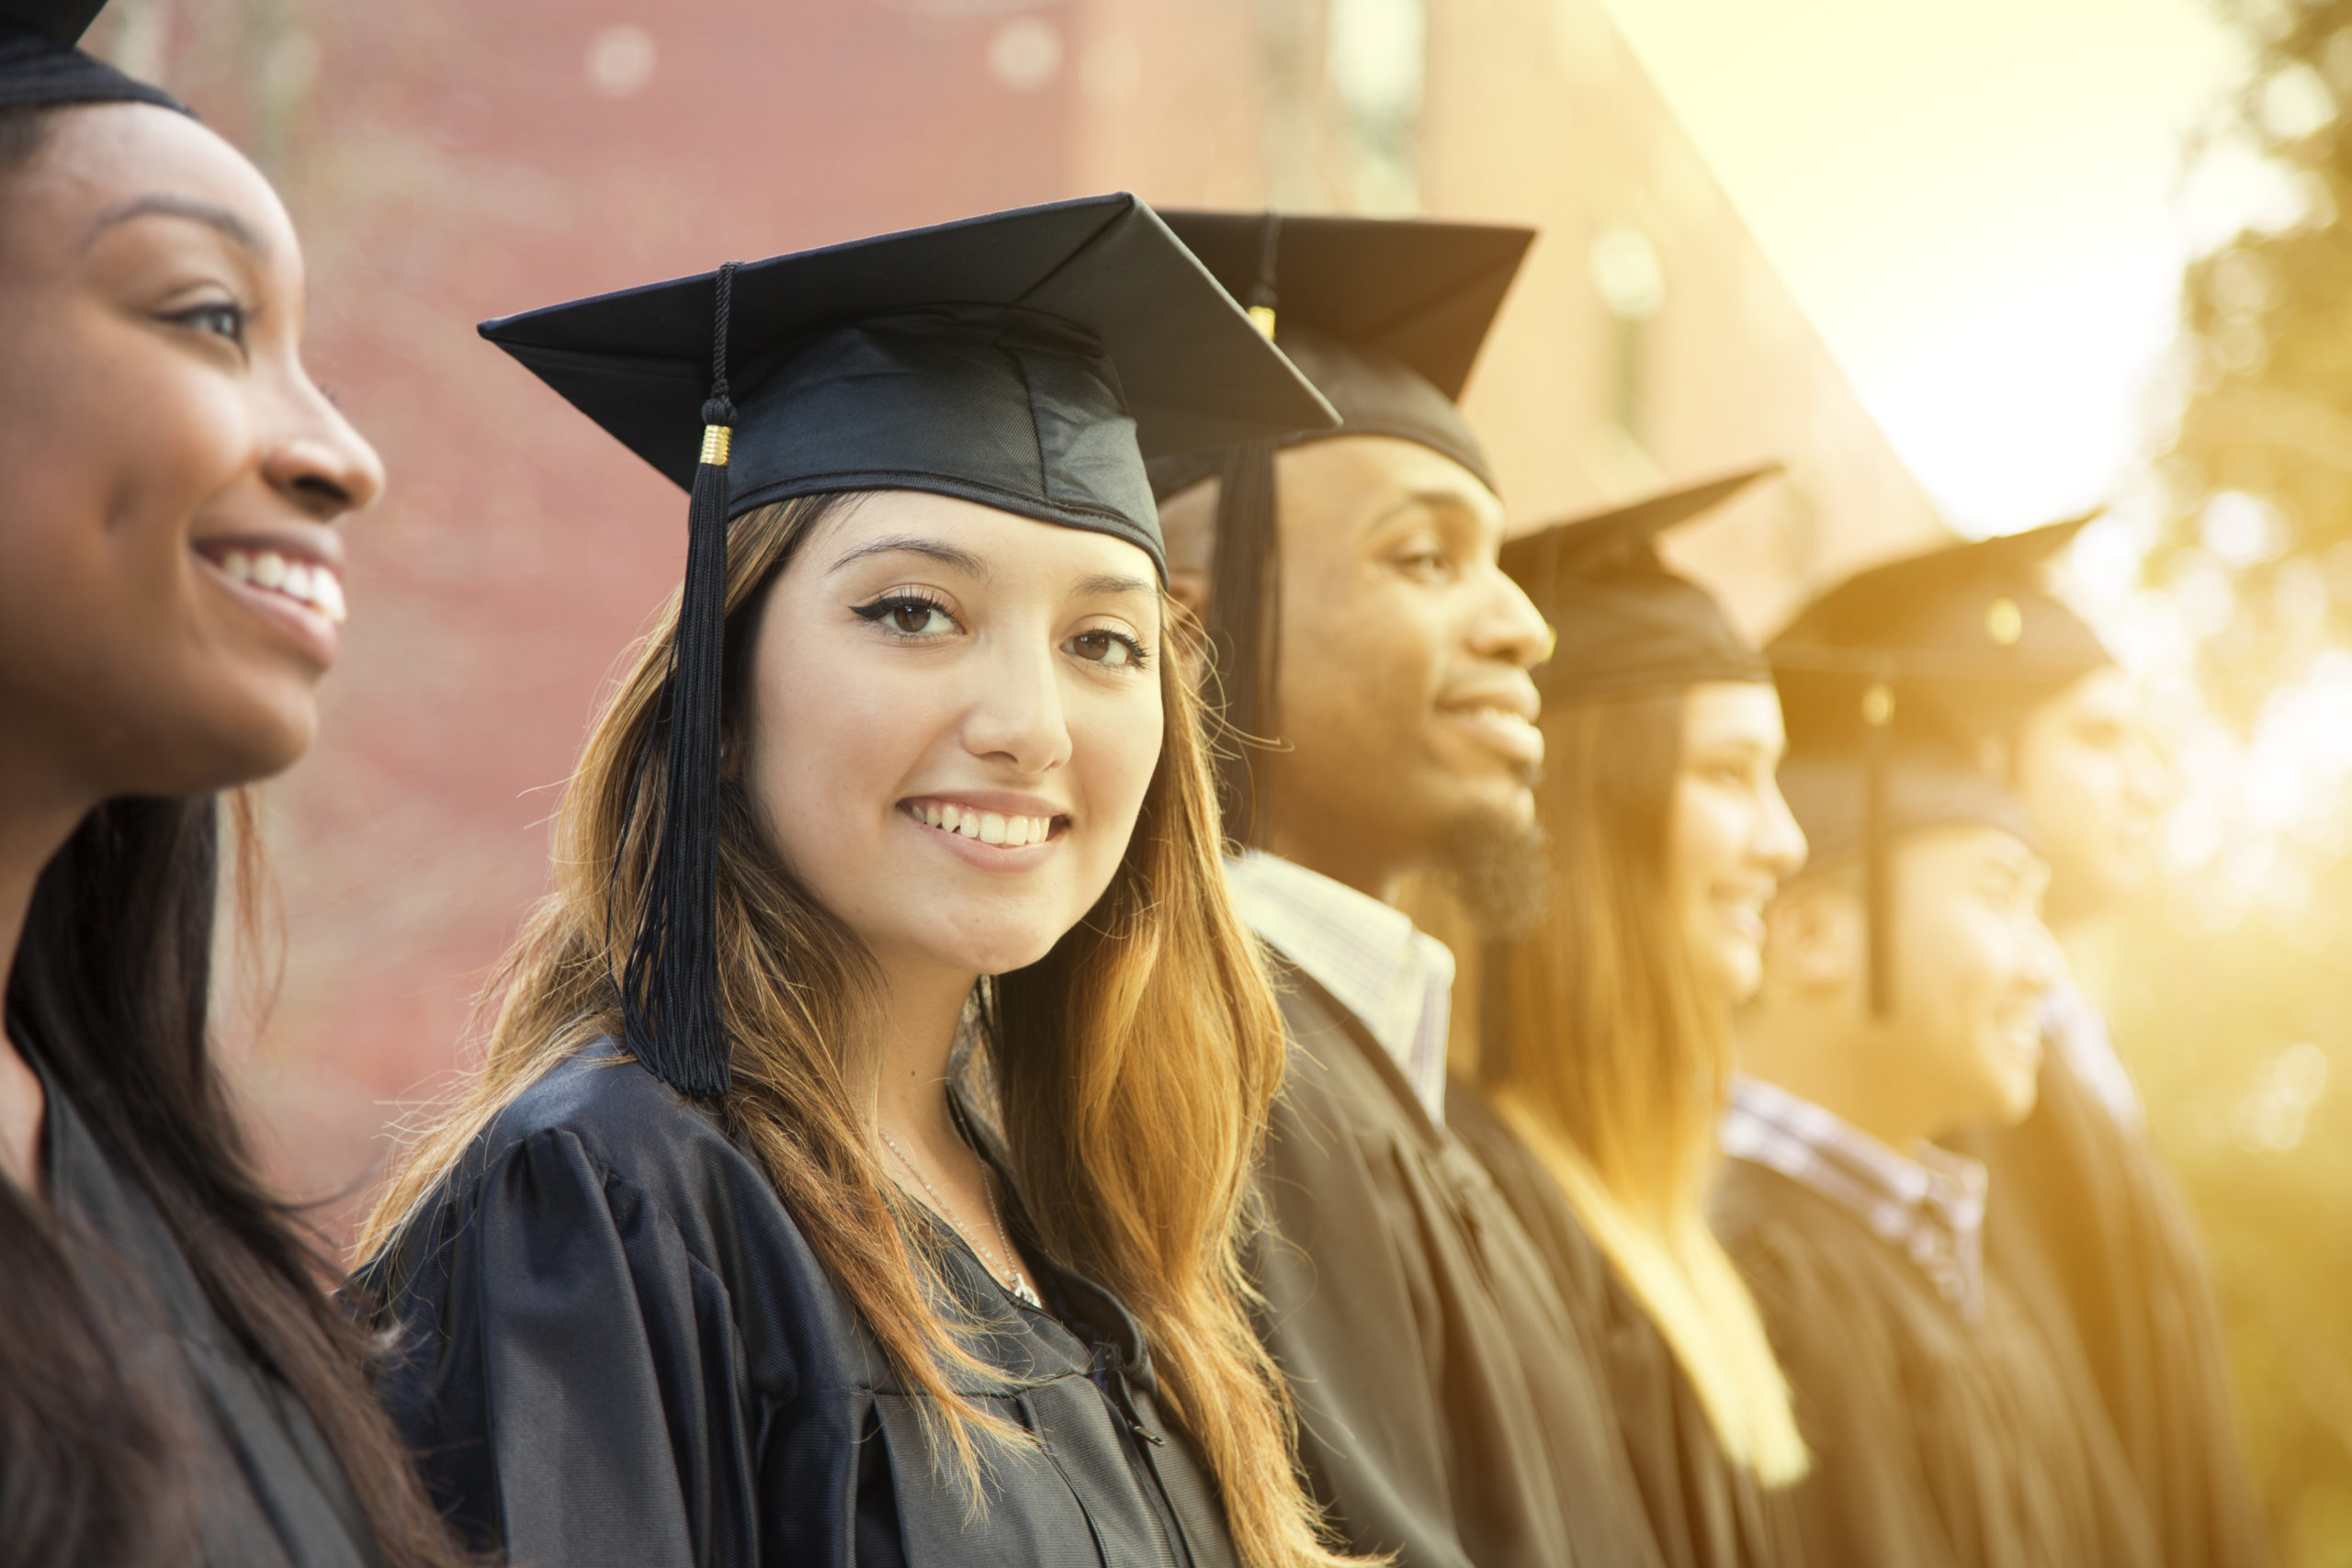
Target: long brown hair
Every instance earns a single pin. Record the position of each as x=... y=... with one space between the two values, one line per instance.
x=1613 y=1062
x=1135 y=1065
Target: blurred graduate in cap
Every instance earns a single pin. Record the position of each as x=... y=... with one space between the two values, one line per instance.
x=1605 y=1032
x=2084 y=1217
x=1905 y=974
x=1448 y=1410
x=177 y=1385
x=857 y=1170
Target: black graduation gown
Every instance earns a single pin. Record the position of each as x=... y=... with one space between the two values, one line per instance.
x=1705 y=1511
x=1937 y=1441
x=1448 y=1410
x=620 y=1352
x=270 y=1493
x=2089 y=1223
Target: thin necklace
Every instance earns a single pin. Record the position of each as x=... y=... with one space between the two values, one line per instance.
x=1013 y=1282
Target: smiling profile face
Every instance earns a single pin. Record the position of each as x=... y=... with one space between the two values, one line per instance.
x=1405 y=705
x=170 y=580
x=1730 y=837
x=1972 y=963
x=2093 y=785
x=954 y=718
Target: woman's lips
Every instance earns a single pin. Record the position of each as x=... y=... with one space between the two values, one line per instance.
x=993 y=840
x=302 y=620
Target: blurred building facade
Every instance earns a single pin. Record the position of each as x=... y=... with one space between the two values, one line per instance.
x=449 y=162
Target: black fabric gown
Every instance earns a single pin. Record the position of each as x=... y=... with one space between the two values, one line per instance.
x=1705 y=1511
x=2089 y=1223
x=271 y=1492
x=620 y=1352
x=1937 y=1441
x=1449 y=1411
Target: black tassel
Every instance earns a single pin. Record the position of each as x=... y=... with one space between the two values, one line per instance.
x=1244 y=633
x=670 y=989
x=1878 y=896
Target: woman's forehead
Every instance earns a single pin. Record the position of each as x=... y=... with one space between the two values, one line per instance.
x=981 y=542
x=103 y=159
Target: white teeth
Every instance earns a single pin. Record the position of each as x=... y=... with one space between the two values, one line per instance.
x=316 y=586
x=1003 y=830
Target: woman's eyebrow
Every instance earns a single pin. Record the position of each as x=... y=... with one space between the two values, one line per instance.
x=911 y=543
x=1100 y=587
x=165 y=206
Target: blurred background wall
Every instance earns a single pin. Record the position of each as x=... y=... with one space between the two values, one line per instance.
x=449 y=162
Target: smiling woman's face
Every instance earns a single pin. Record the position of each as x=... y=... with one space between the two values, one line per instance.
x=170 y=582
x=1731 y=839
x=955 y=718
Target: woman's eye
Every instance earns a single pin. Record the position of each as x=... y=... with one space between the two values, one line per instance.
x=1105 y=648
x=222 y=319
x=909 y=616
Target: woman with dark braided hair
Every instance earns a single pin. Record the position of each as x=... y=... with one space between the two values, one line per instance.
x=176 y=1383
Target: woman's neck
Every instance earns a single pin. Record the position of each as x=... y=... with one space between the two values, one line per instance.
x=922 y=1009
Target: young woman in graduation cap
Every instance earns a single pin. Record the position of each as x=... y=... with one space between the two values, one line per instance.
x=857 y=1170
x=1606 y=1033
x=175 y=1385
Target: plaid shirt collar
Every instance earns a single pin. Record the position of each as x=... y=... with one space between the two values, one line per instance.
x=1396 y=979
x=1930 y=1207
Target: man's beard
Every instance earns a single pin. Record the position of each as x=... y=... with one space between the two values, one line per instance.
x=1497 y=869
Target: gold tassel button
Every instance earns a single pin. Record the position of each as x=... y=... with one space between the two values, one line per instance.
x=1877 y=705
x=1262 y=318
x=717 y=441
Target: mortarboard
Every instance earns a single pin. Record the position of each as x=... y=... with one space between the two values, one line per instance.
x=1624 y=622
x=1890 y=682
x=1386 y=316
x=40 y=66
x=1029 y=361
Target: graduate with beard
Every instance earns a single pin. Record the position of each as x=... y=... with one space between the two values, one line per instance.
x=2083 y=1215
x=1605 y=1033
x=1450 y=1411
x=1905 y=974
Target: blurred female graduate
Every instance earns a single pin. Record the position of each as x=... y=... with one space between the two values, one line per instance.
x=1606 y=1033
x=859 y=1162
x=176 y=1386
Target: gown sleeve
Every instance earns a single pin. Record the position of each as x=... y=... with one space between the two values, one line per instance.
x=1869 y=1499
x=566 y=1371
x=1351 y=1315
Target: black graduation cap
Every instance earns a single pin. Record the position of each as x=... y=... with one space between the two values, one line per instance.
x=1624 y=622
x=1027 y=360
x=1891 y=682
x=41 y=65
x=1386 y=316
